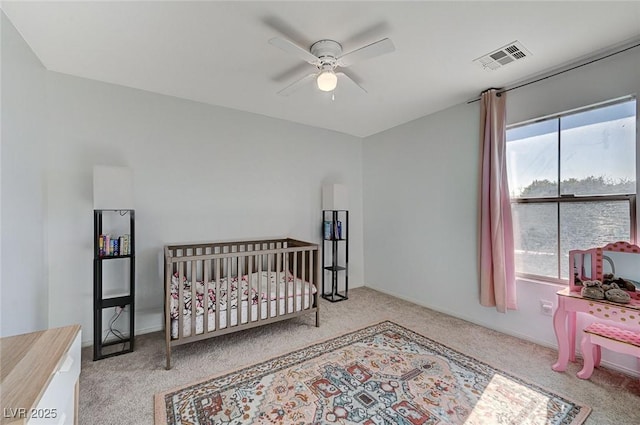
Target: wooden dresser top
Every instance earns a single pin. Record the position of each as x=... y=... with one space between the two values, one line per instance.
x=27 y=363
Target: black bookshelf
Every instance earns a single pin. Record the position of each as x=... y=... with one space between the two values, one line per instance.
x=335 y=255
x=103 y=349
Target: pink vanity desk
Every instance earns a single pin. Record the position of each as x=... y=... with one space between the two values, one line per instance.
x=590 y=263
x=564 y=320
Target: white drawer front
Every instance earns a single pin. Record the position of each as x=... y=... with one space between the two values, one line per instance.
x=57 y=405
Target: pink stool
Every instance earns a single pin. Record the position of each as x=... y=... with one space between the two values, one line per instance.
x=600 y=335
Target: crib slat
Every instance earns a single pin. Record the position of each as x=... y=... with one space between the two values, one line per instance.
x=264 y=313
x=286 y=282
x=303 y=278
x=216 y=288
x=238 y=293
x=228 y=277
x=180 y=299
x=278 y=289
x=270 y=276
x=311 y=282
x=250 y=289
x=205 y=295
x=269 y=284
x=260 y=286
x=294 y=304
x=194 y=298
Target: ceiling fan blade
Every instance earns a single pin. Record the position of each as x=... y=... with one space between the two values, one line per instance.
x=297 y=84
x=294 y=49
x=345 y=77
x=290 y=74
x=367 y=52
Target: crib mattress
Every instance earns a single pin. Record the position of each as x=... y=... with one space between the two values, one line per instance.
x=233 y=316
x=265 y=288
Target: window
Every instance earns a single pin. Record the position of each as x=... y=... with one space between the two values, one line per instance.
x=572 y=179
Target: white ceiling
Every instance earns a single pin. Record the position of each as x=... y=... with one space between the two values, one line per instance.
x=218 y=53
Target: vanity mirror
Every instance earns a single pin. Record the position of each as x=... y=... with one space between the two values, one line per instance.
x=582 y=266
x=618 y=262
x=621 y=264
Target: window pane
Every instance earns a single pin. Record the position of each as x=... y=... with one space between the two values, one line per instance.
x=585 y=153
x=532 y=159
x=598 y=151
x=585 y=225
x=535 y=228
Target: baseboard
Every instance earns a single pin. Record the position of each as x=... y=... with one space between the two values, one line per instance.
x=609 y=365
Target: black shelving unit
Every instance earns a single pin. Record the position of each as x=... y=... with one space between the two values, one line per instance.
x=335 y=255
x=100 y=302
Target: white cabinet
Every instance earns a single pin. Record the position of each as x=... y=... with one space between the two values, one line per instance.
x=40 y=377
x=60 y=394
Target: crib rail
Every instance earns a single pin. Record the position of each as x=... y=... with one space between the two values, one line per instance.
x=216 y=288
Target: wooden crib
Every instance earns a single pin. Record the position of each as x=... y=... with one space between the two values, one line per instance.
x=236 y=285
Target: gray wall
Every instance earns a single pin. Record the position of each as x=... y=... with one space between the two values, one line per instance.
x=200 y=173
x=420 y=201
x=23 y=289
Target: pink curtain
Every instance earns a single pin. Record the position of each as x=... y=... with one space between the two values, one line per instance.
x=497 y=269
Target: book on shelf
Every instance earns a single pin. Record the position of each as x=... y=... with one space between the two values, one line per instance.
x=125 y=245
x=101 y=246
x=332 y=230
x=328 y=230
x=109 y=246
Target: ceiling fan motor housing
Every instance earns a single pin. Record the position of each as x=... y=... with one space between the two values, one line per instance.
x=327 y=51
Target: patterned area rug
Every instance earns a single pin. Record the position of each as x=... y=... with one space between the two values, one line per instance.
x=383 y=374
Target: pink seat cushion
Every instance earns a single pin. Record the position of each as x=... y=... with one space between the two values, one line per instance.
x=615 y=333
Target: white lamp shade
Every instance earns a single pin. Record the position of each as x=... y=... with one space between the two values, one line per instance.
x=335 y=197
x=112 y=188
x=327 y=80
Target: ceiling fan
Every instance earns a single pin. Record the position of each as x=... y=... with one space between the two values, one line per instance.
x=326 y=56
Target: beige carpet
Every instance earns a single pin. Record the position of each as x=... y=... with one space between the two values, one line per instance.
x=384 y=373
x=120 y=390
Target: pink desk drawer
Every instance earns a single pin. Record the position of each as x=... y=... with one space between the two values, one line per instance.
x=615 y=313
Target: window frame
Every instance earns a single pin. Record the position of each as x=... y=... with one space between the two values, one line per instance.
x=631 y=198
x=566 y=198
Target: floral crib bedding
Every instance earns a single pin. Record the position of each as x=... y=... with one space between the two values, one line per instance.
x=271 y=291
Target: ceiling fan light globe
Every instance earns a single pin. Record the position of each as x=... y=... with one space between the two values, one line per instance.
x=327 y=80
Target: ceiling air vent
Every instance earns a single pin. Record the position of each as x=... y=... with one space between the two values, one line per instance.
x=512 y=52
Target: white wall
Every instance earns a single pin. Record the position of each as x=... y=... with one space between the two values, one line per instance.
x=200 y=173
x=420 y=201
x=24 y=289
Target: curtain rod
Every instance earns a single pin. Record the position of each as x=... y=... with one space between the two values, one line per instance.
x=561 y=72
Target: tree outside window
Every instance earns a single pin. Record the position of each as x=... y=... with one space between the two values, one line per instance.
x=572 y=179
